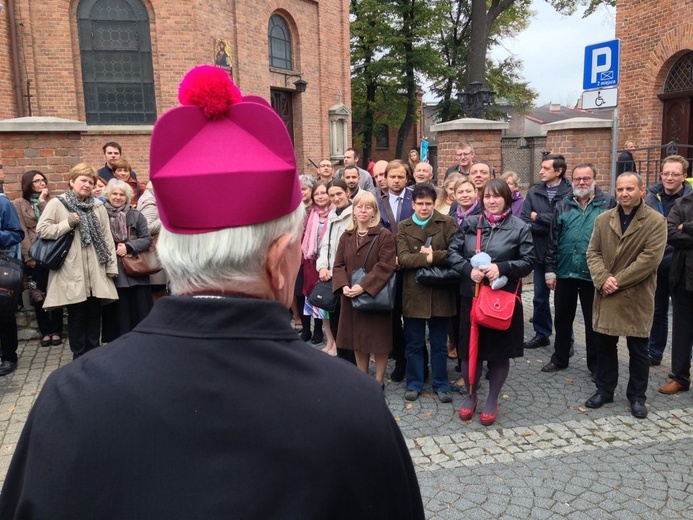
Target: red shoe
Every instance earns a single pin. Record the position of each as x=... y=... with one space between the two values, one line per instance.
x=487 y=419
x=466 y=414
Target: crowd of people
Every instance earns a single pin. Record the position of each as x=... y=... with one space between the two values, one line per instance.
x=111 y=218
x=578 y=242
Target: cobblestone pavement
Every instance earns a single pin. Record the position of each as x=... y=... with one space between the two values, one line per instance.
x=547 y=456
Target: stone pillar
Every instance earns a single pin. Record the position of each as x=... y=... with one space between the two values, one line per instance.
x=483 y=135
x=583 y=139
x=49 y=144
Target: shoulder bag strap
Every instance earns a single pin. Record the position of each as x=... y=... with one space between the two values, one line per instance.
x=478 y=236
x=365 y=260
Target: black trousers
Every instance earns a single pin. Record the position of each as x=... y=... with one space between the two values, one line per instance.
x=49 y=322
x=342 y=353
x=8 y=336
x=398 y=343
x=120 y=317
x=565 y=299
x=84 y=326
x=682 y=334
x=607 y=366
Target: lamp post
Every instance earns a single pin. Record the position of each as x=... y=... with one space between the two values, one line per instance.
x=474 y=102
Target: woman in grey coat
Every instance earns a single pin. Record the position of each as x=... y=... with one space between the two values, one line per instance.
x=130 y=233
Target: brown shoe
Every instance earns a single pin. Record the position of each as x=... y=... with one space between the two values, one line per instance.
x=672 y=387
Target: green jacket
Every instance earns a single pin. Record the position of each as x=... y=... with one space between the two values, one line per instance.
x=570 y=235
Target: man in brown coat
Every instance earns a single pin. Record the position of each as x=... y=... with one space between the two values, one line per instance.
x=626 y=247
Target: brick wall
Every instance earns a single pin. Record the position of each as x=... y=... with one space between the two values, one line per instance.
x=182 y=36
x=51 y=153
x=486 y=143
x=591 y=145
x=653 y=33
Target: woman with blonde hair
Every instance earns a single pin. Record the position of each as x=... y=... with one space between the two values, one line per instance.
x=84 y=282
x=445 y=203
x=513 y=180
x=365 y=244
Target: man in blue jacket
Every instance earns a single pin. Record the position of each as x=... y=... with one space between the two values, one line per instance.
x=11 y=235
x=566 y=263
x=538 y=211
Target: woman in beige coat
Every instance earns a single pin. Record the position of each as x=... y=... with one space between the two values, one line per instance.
x=83 y=283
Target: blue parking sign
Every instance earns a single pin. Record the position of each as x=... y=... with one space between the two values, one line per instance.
x=601 y=65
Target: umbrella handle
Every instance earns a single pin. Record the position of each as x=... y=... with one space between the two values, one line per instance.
x=476 y=290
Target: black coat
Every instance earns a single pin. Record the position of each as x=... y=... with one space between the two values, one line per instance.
x=210 y=409
x=538 y=200
x=510 y=247
x=681 y=240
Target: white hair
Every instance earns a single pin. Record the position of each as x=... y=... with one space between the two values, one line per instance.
x=116 y=184
x=232 y=256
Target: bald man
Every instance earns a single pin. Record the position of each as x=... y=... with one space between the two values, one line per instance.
x=379 y=178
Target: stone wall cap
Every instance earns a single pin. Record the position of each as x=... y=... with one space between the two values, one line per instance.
x=470 y=123
x=42 y=124
x=577 y=123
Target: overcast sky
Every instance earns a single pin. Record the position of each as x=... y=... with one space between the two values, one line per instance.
x=552 y=49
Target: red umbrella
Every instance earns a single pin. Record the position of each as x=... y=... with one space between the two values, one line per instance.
x=473 y=344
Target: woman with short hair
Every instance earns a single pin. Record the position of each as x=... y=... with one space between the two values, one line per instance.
x=422 y=241
x=131 y=236
x=30 y=206
x=445 y=203
x=367 y=244
x=84 y=282
x=513 y=180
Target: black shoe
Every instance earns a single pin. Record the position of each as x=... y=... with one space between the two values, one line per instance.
x=571 y=352
x=411 y=395
x=537 y=341
x=444 y=397
x=306 y=335
x=598 y=400
x=7 y=367
x=398 y=373
x=551 y=367
x=638 y=410
x=655 y=362
x=317 y=338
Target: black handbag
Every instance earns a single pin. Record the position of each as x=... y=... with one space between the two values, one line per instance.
x=437 y=275
x=384 y=300
x=323 y=297
x=52 y=252
x=11 y=282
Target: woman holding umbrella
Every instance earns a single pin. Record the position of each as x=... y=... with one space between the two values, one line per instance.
x=508 y=242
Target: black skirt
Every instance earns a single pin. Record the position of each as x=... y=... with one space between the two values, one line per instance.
x=493 y=344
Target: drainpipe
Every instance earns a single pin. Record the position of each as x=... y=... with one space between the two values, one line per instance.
x=15 y=59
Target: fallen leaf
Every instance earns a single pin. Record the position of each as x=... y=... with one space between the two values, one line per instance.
x=397 y=419
x=569 y=381
x=10 y=409
x=427 y=414
x=409 y=406
x=527 y=433
x=581 y=409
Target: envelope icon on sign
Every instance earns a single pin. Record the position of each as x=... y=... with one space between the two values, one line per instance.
x=608 y=75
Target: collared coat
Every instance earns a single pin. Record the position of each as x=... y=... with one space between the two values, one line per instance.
x=336 y=225
x=632 y=258
x=681 y=271
x=171 y=422
x=387 y=216
x=425 y=301
x=364 y=331
x=81 y=276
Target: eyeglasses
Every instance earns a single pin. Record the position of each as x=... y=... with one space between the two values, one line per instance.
x=39 y=181
x=672 y=175
x=586 y=180
x=463 y=154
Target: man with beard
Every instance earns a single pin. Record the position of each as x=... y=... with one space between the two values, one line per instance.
x=351 y=178
x=566 y=263
x=351 y=158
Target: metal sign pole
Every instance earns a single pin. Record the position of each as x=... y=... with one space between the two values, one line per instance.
x=614 y=147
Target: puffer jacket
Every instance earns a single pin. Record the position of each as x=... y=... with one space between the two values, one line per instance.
x=570 y=235
x=336 y=225
x=509 y=245
x=537 y=200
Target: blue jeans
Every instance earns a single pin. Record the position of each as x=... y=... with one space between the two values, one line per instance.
x=660 y=322
x=542 y=308
x=415 y=341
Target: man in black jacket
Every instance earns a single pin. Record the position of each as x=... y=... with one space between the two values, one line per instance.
x=538 y=211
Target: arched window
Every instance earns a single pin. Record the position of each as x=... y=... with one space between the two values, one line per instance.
x=117 y=70
x=680 y=77
x=279 y=43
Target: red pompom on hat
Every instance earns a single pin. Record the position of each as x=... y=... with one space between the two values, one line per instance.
x=222 y=160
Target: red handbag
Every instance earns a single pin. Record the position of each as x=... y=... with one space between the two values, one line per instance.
x=492 y=309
